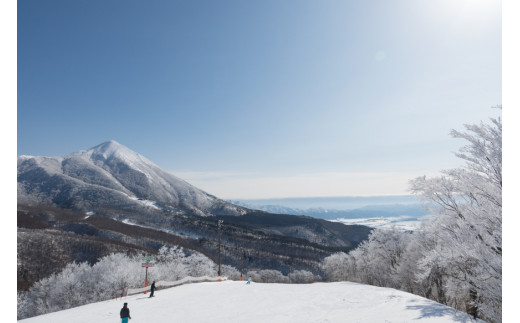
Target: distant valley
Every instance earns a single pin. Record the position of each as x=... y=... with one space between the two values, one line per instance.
x=402 y=212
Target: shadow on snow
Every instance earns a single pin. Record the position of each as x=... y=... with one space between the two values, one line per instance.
x=430 y=310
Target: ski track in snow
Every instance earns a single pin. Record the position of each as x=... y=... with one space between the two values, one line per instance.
x=232 y=301
x=172 y=231
x=148 y=203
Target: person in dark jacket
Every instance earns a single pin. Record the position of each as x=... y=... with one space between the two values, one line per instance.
x=125 y=313
x=152 y=289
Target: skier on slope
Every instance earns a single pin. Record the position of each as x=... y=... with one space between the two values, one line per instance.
x=248 y=280
x=152 y=289
x=125 y=313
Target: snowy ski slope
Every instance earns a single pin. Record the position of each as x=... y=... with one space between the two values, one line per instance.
x=234 y=301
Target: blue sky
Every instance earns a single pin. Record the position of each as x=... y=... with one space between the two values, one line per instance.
x=261 y=99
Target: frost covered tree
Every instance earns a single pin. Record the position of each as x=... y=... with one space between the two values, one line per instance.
x=230 y=272
x=455 y=258
x=200 y=265
x=79 y=284
x=336 y=267
x=463 y=247
x=268 y=276
x=170 y=264
x=384 y=249
x=375 y=261
x=302 y=277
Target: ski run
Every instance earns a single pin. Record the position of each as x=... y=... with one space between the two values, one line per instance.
x=235 y=301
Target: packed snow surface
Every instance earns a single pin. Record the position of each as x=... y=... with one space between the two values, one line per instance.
x=232 y=301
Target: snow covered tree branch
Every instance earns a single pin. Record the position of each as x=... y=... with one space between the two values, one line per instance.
x=456 y=257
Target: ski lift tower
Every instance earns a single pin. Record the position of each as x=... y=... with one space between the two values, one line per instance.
x=219 y=234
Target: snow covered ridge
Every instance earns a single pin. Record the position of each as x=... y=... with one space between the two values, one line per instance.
x=235 y=301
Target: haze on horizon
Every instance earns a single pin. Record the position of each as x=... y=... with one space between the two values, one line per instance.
x=261 y=100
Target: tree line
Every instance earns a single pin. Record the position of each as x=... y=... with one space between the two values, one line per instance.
x=82 y=283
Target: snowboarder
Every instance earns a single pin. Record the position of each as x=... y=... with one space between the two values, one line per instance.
x=248 y=280
x=125 y=313
x=152 y=289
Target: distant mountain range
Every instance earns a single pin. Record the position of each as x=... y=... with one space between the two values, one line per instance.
x=340 y=203
x=332 y=208
x=82 y=206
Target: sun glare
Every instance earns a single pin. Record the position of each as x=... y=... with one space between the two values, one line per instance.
x=468 y=11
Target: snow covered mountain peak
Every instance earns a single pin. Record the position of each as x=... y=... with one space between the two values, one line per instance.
x=108 y=147
x=111 y=175
x=112 y=149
